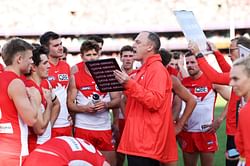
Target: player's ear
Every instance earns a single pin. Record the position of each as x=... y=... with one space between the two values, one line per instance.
x=18 y=58
x=33 y=68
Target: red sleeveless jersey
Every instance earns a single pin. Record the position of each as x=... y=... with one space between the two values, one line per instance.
x=13 y=131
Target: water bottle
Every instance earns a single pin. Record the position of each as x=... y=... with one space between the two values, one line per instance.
x=95 y=98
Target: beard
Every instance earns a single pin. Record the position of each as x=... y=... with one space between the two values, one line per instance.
x=28 y=72
x=193 y=72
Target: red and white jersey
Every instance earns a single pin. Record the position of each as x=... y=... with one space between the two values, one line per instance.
x=59 y=79
x=203 y=113
x=86 y=87
x=34 y=139
x=13 y=131
x=68 y=151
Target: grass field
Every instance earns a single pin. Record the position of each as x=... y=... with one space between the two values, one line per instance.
x=219 y=159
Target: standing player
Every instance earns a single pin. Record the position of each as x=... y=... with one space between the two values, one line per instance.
x=92 y=118
x=49 y=110
x=224 y=78
x=179 y=93
x=59 y=79
x=240 y=78
x=198 y=138
x=18 y=105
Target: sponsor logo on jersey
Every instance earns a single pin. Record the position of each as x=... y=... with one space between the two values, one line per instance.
x=201 y=90
x=51 y=78
x=85 y=88
x=63 y=77
x=72 y=142
x=6 y=128
x=210 y=142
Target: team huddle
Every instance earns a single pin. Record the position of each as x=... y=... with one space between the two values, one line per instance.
x=53 y=113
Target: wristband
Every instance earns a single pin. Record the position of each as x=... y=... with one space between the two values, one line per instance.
x=54 y=99
x=199 y=55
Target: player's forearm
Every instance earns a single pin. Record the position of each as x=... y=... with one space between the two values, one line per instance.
x=190 y=105
x=55 y=111
x=73 y=107
x=114 y=103
x=225 y=67
x=223 y=113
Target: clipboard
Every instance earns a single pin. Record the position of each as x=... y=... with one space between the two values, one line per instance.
x=102 y=72
x=191 y=29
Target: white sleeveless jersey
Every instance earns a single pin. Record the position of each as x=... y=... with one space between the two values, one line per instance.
x=93 y=121
x=86 y=87
x=59 y=80
x=203 y=113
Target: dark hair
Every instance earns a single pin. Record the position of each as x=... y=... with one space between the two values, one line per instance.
x=96 y=38
x=37 y=52
x=65 y=50
x=12 y=47
x=47 y=36
x=35 y=45
x=188 y=54
x=156 y=41
x=126 y=48
x=176 y=55
x=89 y=45
x=165 y=56
x=244 y=41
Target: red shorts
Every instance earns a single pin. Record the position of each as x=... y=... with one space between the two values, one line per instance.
x=198 y=142
x=101 y=140
x=62 y=131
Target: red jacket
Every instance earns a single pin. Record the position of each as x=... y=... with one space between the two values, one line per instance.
x=242 y=137
x=149 y=128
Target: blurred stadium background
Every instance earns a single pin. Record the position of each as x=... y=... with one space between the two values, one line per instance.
x=118 y=21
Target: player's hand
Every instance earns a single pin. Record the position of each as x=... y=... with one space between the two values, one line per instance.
x=212 y=128
x=47 y=95
x=99 y=106
x=211 y=46
x=178 y=128
x=70 y=119
x=193 y=47
x=90 y=108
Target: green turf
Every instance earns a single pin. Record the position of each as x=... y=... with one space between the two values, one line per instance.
x=219 y=159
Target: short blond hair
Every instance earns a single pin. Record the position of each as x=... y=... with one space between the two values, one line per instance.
x=245 y=62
